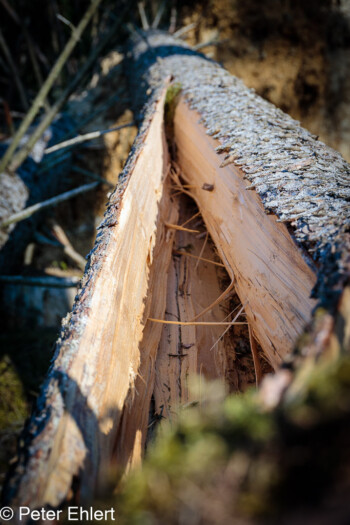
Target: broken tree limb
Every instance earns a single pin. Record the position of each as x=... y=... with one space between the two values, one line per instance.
x=28 y=212
x=83 y=404
x=225 y=134
x=87 y=136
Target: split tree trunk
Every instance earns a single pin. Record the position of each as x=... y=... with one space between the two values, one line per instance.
x=95 y=402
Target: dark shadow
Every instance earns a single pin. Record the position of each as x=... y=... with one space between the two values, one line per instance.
x=76 y=404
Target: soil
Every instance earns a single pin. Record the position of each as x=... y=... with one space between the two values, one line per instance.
x=293 y=53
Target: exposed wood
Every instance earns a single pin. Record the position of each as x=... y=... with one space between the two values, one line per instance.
x=132 y=333
x=181 y=252
x=83 y=404
x=255 y=354
x=296 y=176
x=187 y=349
x=271 y=273
x=132 y=434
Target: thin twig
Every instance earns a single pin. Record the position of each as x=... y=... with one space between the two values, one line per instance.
x=180 y=228
x=227 y=329
x=61 y=236
x=11 y=11
x=159 y=15
x=8 y=117
x=49 y=281
x=202 y=250
x=197 y=323
x=87 y=136
x=31 y=47
x=36 y=105
x=173 y=20
x=28 y=212
x=48 y=163
x=36 y=68
x=217 y=301
x=65 y=21
x=186 y=29
x=180 y=252
x=191 y=218
x=49 y=117
x=212 y=42
x=143 y=16
x=94 y=176
x=100 y=109
x=255 y=354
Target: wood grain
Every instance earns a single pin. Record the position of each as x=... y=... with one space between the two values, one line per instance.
x=185 y=351
x=94 y=371
x=273 y=279
x=131 y=439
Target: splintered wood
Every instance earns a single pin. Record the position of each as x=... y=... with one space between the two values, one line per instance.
x=182 y=285
x=188 y=350
x=271 y=273
x=186 y=282
x=97 y=357
x=133 y=429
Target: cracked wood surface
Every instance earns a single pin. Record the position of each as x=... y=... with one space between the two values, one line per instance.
x=188 y=350
x=272 y=277
x=74 y=427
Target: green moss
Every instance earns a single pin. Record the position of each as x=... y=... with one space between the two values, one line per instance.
x=236 y=459
x=171 y=99
x=13 y=404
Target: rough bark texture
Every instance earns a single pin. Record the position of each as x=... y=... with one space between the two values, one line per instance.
x=303 y=181
x=300 y=179
x=72 y=431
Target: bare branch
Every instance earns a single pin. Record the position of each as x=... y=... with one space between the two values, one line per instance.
x=143 y=16
x=62 y=59
x=46 y=281
x=28 y=212
x=87 y=136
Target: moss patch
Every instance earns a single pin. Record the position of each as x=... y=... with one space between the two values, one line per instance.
x=231 y=461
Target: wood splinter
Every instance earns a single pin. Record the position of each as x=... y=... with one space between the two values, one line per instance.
x=180 y=228
x=196 y=323
x=180 y=252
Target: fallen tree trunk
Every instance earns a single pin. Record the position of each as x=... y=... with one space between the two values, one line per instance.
x=114 y=362
x=81 y=405
x=276 y=258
